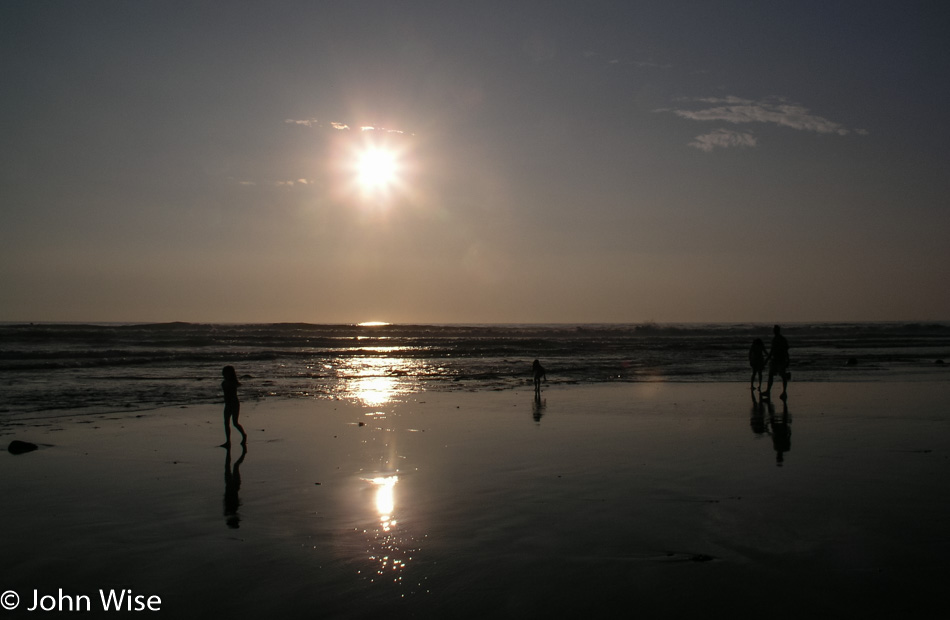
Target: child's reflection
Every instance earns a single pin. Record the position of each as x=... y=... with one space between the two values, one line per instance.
x=232 y=484
x=781 y=432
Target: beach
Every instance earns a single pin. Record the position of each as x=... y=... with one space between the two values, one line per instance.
x=482 y=288
x=657 y=499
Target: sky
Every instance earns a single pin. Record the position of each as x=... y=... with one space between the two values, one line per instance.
x=474 y=162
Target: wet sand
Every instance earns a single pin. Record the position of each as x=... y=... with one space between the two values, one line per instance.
x=660 y=500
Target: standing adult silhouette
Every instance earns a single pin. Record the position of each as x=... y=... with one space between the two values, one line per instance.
x=778 y=362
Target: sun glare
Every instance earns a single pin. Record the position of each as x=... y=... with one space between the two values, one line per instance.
x=377 y=169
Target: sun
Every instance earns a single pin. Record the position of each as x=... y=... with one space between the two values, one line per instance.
x=376 y=169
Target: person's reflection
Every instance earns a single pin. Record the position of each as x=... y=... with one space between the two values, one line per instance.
x=781 y=432
x=537 y=410
x=232 y=485
x=757 y=419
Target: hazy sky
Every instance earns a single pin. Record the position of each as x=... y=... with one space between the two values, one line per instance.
x=536 y=161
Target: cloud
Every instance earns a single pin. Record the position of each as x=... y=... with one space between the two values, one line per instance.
x=277 y=183
x=308 y=122
x=381 y=129
x=314 y=123
x=724 y=138
x=738 y=111
x=615 y=61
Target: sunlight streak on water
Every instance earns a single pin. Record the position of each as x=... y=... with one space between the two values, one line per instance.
x=375 y=391
x=376 y=381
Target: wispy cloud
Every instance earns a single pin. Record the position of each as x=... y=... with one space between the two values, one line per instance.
x=739 y=111
x=307 y=122
x=724 y=138
x=380 y=129
x=274 y=183
x=339 y=126
x=614 y=60
x=290 y=183
x=774 y=111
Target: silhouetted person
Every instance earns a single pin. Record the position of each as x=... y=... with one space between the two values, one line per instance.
x=232 y=485
x=781 y=433
x=232 y=406
x=539 y=373
x=537 y=410
x=757 y=355
x=778 y=361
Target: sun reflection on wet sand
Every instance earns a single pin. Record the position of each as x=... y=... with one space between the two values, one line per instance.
x=391 y=549
x=377 y=381
x=386 y=499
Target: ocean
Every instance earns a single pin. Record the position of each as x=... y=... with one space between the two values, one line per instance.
x=57 y=369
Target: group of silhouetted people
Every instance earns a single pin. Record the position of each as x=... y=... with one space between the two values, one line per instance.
x=777 y=358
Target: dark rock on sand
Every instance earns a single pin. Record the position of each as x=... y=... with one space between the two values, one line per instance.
x=20 y=447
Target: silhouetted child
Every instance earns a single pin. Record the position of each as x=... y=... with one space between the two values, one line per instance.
x=539 y=373
x=757 y=361
x=232 y=406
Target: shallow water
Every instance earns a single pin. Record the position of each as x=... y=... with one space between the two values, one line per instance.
x=130 y=367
